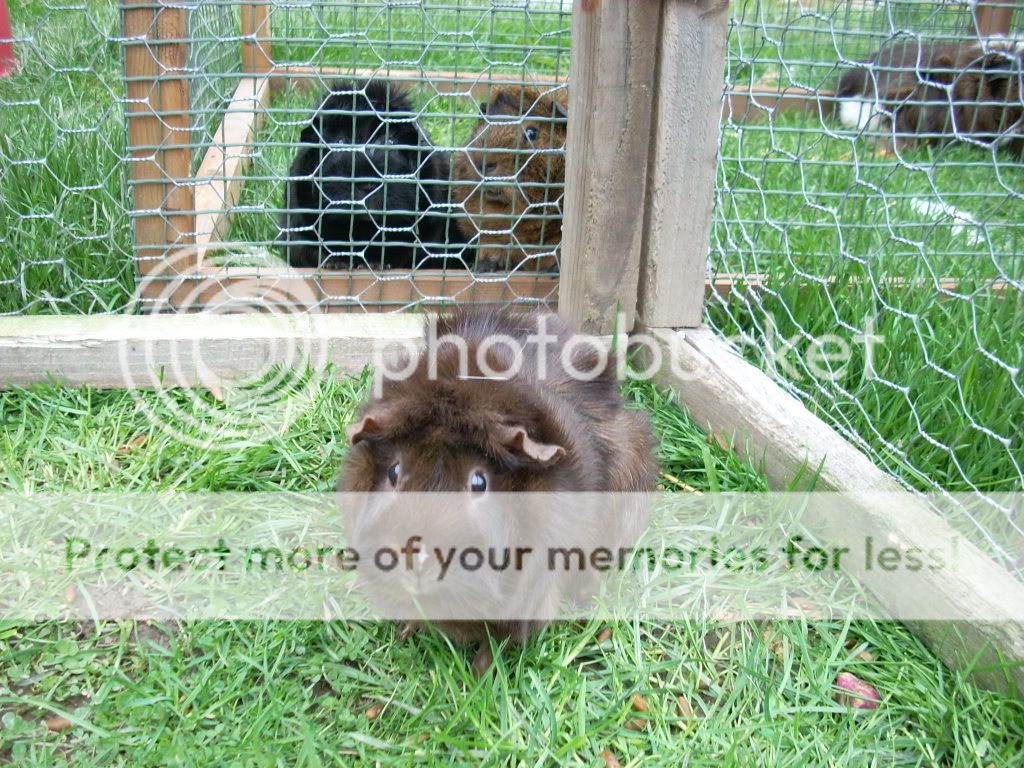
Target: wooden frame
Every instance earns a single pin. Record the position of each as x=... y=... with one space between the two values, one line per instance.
x=181 y=217
x=650 y=266
x=773 y=429
x=994 y=17
x=720 y=390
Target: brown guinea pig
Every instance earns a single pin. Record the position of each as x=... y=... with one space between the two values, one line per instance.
x=934 y=91
x=549 y=423
x=511 y=175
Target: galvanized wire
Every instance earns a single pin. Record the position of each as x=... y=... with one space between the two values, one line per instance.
x=825 y=229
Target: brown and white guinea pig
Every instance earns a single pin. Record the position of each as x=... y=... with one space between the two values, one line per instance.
x=511 y=175
x=936 y=91
x=451 y=430
x=366 y=187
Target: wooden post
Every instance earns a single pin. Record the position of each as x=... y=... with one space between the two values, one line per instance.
x=220 y=176
x=256 y=46
x=994 y=17
x=159 y=128
x=614 y=44
x=684 y=150
x=981 y=600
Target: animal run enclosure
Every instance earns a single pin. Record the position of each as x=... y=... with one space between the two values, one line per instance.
x=696 y=170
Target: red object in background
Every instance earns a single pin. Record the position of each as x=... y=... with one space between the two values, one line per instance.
x=8 y=64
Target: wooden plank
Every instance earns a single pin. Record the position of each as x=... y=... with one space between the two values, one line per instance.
x=114 y=351
x=612 y=73
x=158 y=141
x=753 y=104
x=994 y=17
x=175 y=111
x=759 y=103
x=219 y=179
x=684 y=153
x=181 y=285
x=144 y=133
x=729 y=396
x=477 y=86
x=257 y=58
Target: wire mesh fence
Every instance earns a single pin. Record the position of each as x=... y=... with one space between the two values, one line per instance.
x=401 y=154
x=867 y=217
x=200 y=180
x=880 y=205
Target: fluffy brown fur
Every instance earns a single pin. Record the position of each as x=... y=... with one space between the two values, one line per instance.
x=523 y=433
x=513 y=167
x=936 y=91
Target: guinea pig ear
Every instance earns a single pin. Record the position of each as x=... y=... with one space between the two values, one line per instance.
x=366 y=428
x=517 y=440
x=483 y=105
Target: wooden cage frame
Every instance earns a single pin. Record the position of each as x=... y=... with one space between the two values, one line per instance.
x=180 y=217
x=619 y=273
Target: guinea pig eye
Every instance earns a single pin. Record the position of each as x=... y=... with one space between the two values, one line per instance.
x=393 y=473
x=531 y=133
x=478 y=482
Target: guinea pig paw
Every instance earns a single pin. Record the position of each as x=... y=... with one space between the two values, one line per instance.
x=483 y=659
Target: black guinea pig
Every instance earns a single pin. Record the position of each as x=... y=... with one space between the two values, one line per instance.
x=503 y=443
x=367 y=187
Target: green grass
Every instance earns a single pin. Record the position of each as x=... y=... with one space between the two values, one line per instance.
x=311 y=693
x=791 y=205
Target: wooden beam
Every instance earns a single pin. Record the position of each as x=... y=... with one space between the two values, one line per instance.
x=159 y=128
x=475 y=86
x=614 y=49
x=759 y=103
x=178 y=283
x=729 y=396
x=220 y=176
x=994 y=17
x=115 y=351
x=257 y=57
x=741 y=104
x=181 y=285
x=683 y=163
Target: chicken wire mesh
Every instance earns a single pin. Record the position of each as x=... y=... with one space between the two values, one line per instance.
x=480 y=84
x=818 y=227
x=892 y=222
x=408 y=153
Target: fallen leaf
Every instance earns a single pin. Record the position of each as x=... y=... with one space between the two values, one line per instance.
x=136 y=442
x=70 y=593
x=422 y=737
x=58 y=724
x=610 y=760
x=639 y=703
x=604 y=635
x=637 y=724
x=810 y=609
x=775 y=644
x=716 y=439
x=866 y=656
x=855 y=693
x=684 y=706
x=374 y=712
